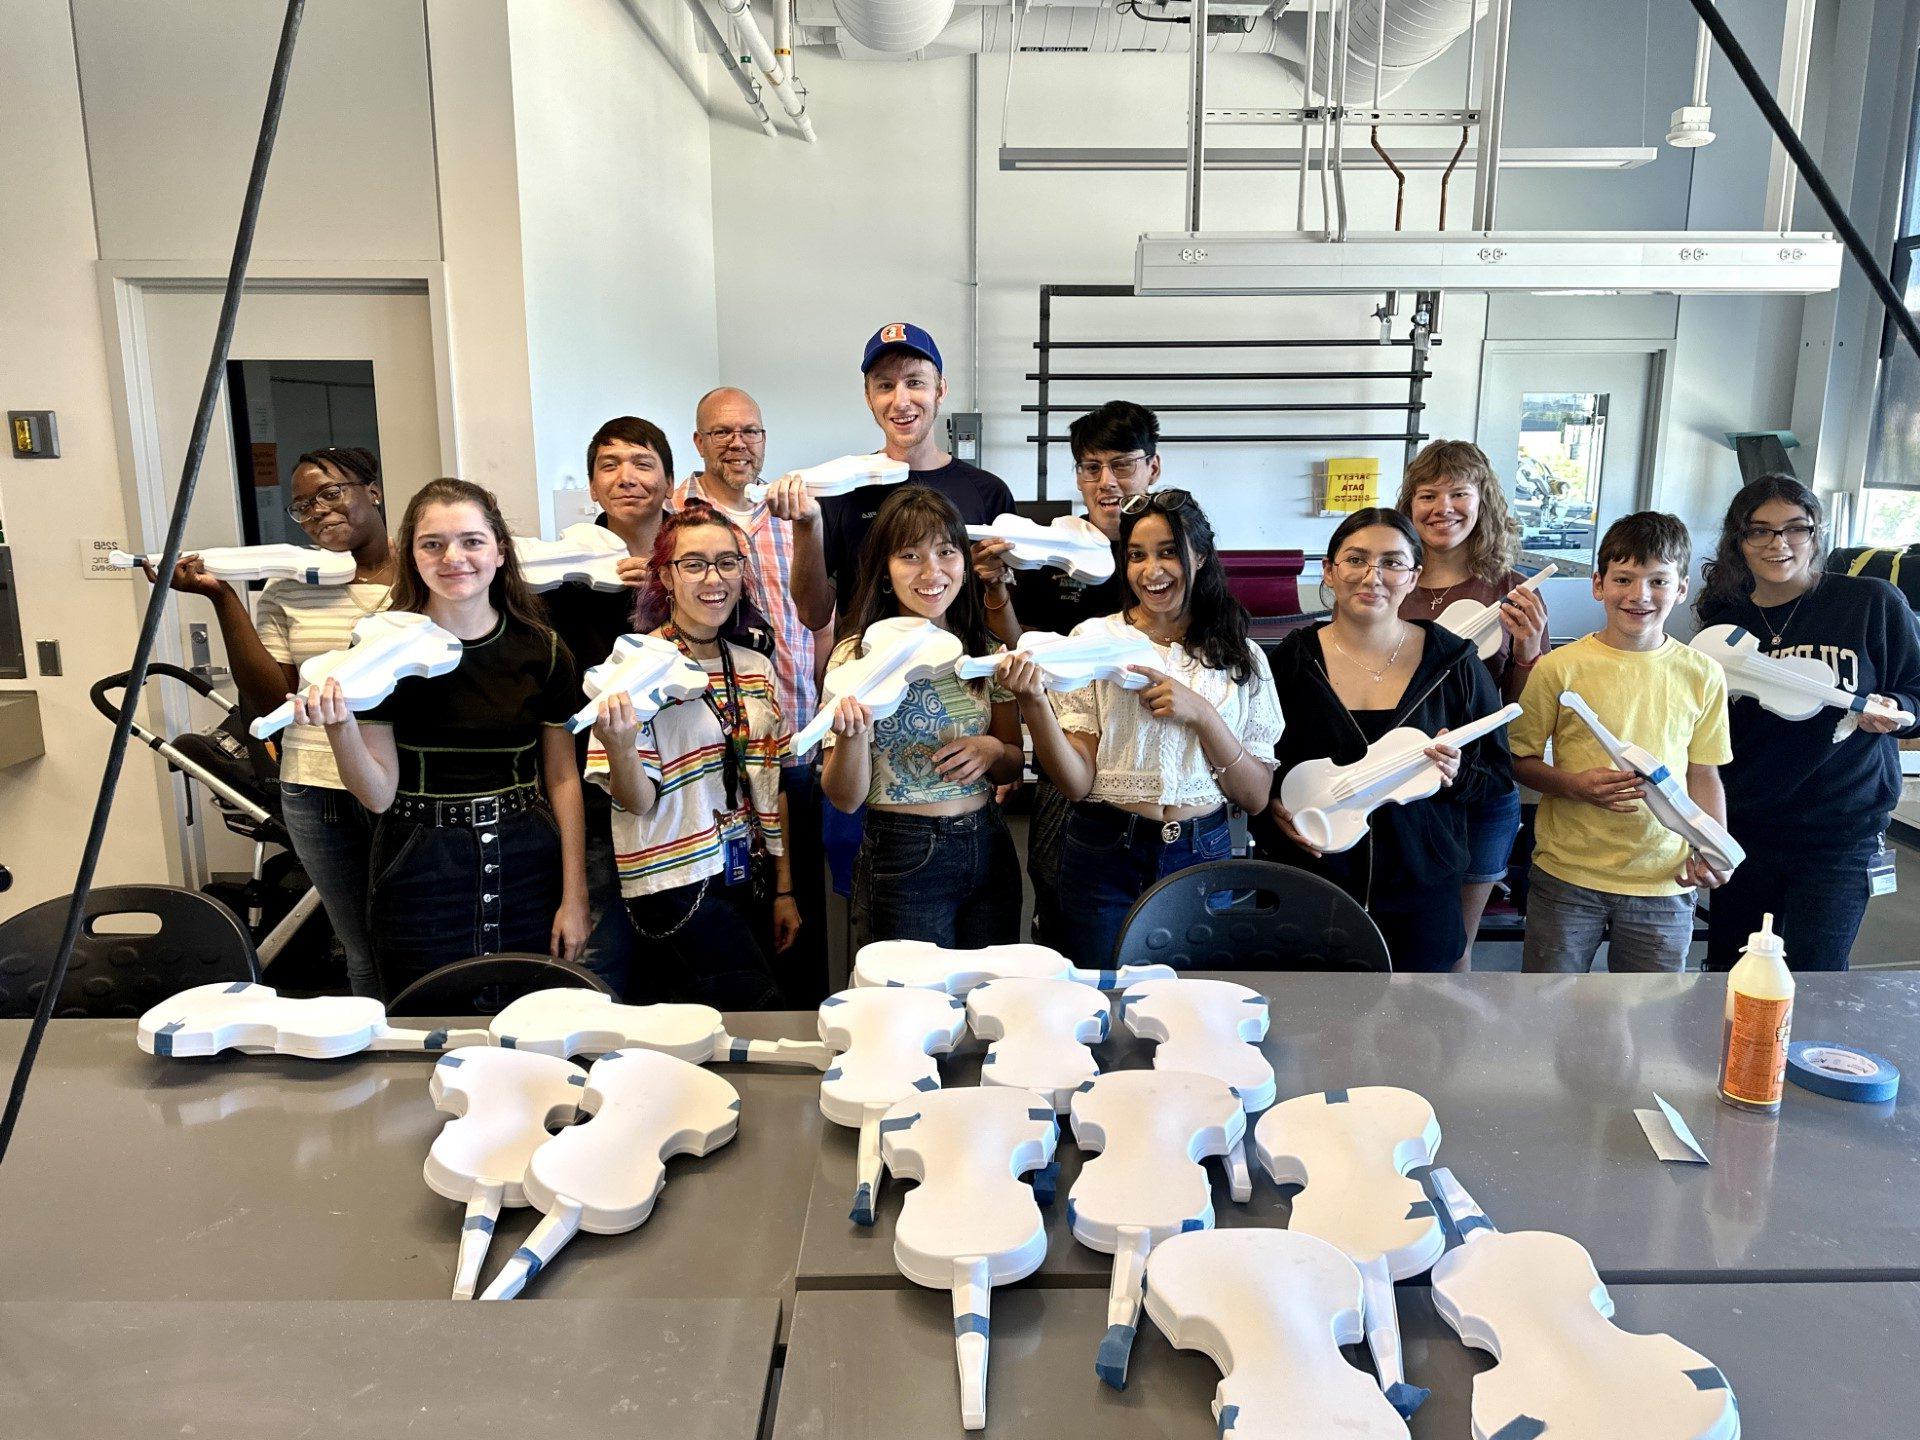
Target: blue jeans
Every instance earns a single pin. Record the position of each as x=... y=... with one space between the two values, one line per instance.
x=705 y=944
x=1492 y=825
x=332 y=837
x=1817 y=896
x=953 y=880
x=608 y=952
x=1108 y=859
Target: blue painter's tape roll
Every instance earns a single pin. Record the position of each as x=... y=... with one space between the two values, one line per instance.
x=1841 y=1071
x=1116 y=1348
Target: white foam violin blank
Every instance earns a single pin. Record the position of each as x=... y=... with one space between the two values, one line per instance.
x=603 y=1176
x=258 y=1020
x=1271 y=1308
x=970 y=1224
x=1665 y=793
x=388 y=647
x=1794 y=687
x=245 y=564
x=1093 y=651
x=1562 y=1368
x=1330 y=803
x=885 y=1041
x=575 y=1021
x=1151 y=1129
x=1039 y=1031
x=1209 y=1027
x=841 y=477
x=1352 y=1150
x=584 y=554
x=505 y=1105
x=648 y=670
x=1478 y=622
x=927 y=966
x=896 y=653
x=1068 y=543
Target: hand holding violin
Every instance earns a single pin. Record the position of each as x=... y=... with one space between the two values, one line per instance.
x=323 y=704
x=190 y=578
x=1610 y=789
x=789 y=499
x=617 y=728
x=1020 y=675
x=1166 y=698
x=1283 y=817
x=851 y=718
x=989 y=561
x=1523 y=614
x=1445 y=758
x=1880 y=720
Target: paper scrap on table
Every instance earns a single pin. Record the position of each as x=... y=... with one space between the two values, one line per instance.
x=1669 y=1135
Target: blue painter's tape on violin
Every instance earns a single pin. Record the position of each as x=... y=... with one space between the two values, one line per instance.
x=509 y=1042
x=862 y=1213
x=533 y=1261
x=1660 y=776
x=1336 y=1097
x=580 y=1080
x=734 y=1105
x=238 y=986
x=1420 y=1210
x=899 y=1123
x=1039 y=1113
x=163 y=1037
x=1842 y=1072
x=1521 y=1427
x=1738 y=635
x=926 y=1082
x=834 y=1072
x=482 y=1223
x=436 y=1040
x=833 y=1000
x=1116 y=1348
x=1708 y=1377
x=738 y=1051
x=969 y=1325
x=1229 y=1417
x=1192 y=1223
x=1109 y=979
x=990 y=1058
x=1046 y=1181
x=1406 y=1398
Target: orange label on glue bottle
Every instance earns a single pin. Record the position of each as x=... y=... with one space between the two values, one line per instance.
x=1759 y=1018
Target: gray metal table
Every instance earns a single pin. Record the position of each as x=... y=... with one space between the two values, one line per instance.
x=269 y=1178
x=1535 y=1079
x=1813 y=1359
x=236 y=1370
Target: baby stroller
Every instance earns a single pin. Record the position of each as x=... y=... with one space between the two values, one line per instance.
x=240 y=773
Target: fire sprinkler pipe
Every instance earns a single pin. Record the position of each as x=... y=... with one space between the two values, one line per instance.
x=761 y=49
x=740 y=77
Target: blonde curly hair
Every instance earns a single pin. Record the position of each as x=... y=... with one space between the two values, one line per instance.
x=1494 y=543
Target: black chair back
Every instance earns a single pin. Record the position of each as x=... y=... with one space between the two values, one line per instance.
x=1249 y=915
x=138 y=945
x=486 y=984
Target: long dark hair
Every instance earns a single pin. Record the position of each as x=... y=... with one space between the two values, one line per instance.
x=745 y=626
x=910 y=514
x=1727 y=574
x=508 y=592
x=1216 y=622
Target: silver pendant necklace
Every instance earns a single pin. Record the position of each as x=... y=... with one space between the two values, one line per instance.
x=1380 y=674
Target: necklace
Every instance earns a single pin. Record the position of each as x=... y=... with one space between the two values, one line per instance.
x=1781 y=634
x=1438 y=600
x=1380 y=674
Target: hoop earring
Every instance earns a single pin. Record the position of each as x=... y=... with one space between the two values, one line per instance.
x=1326 y=595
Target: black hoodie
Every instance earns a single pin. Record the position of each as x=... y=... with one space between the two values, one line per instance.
x=1415 y=854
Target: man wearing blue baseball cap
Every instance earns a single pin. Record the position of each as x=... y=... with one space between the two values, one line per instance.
x=905 y=387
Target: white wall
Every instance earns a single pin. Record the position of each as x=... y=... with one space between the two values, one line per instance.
x=616 y=224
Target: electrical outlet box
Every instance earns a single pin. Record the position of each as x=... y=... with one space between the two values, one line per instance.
x=35 y=435
x=49 y=653
x=963 y=436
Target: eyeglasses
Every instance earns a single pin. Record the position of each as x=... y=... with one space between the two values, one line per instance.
x=727 y=434
x=1796 y=534
x=1165 y=501
x=1391 y=567
x=695 y=567
x=328 y=495
x=1122 y=467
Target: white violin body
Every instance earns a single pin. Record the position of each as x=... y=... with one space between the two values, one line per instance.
x=258 y=1020
x=1352 y=1150
x=585 y=554
x=841 y=477
x=897 y=653
x=1039 y=1032
x=243 y=564
x=505 y=1104
x=1271 y=1308
x=603 y=1176
x=646 y=669
x=1208 y=1027
x=1666 y=793
x=885 y=1041
x=1533 y=1300
x=1478 y=623
x=389 y=647
x=1330 y=803
x=1069 y=543
x=1094 y=651
x=1151 y=1129
x=970 y=1224
x=927 y=966
x=576 y=1021
x=1794 y=687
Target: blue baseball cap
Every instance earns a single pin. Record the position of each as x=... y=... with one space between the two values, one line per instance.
x=901 y=336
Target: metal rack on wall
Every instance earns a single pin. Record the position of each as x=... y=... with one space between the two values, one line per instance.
x=1418 y=342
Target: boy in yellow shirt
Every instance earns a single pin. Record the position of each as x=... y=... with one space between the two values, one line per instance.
x=1601 y=863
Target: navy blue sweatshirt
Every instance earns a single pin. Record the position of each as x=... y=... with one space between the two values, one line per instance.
x=1788 y=782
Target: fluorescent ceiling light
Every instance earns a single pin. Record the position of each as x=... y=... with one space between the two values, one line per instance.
x=1686 y=262
x=1132 y=159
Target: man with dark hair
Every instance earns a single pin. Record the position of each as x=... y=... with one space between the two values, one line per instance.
x=630 y=474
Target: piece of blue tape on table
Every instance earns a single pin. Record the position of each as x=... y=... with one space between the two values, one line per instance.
x=1841 y=1071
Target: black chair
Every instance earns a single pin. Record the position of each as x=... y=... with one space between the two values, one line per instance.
x=1249 y=915
x=486 y=984
x=181 y=938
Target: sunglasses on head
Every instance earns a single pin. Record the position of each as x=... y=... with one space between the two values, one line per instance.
x=1165 y=501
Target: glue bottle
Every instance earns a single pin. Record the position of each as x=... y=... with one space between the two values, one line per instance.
x=1759 y=1016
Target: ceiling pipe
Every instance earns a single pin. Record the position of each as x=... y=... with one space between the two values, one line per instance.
x=761 y=49
x=1692 y=124
x=893 y=26
x=740 y=77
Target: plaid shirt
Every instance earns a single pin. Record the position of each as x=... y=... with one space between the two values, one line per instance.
x=770 y=540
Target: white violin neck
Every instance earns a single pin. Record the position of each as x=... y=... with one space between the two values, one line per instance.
x=1388 y=772
x=1609 y=741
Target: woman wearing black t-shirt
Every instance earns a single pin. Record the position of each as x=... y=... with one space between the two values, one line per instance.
x=469 y=858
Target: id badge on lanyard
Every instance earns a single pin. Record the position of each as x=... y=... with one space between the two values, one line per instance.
x=1881 y=879
x=736 y=845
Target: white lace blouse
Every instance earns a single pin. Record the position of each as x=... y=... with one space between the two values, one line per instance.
x=1142 y=760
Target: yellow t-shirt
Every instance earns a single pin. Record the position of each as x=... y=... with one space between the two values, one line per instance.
x=1672 y=702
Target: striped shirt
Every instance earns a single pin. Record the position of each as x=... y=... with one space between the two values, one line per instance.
x=769 y=575
x=297 y=622
x=683 y=752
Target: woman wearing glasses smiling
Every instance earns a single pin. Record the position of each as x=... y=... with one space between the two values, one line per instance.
x=698 y=812
x=1343 y=685
x=1811 y=809
x=336 y=500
